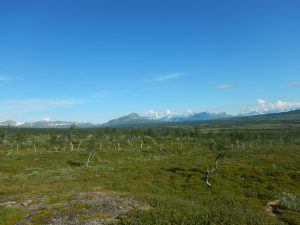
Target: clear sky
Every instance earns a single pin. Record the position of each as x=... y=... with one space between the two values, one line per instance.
x=94 y=60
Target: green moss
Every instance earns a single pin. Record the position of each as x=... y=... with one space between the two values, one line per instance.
x=42 y=217
x=102 y=215
x=81 y=205
x=86 y=217
x=292 y=218
x=61 y=208
x=11 y=215
x=59 y=199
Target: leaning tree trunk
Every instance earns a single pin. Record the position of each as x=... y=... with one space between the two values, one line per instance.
x=91 y=156
x=100 y=145
x=209 y=172
x=79 y=145
x=71 y=146
x=207 y=175
x=34 y=147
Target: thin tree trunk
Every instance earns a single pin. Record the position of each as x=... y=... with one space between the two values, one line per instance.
x=237 y=143
x=4 y=139
x=209 y=172
x=207 y=175
x=79 y=145
x=9 y=152
x=91 y=156
x=161 y=147
x=71 y=146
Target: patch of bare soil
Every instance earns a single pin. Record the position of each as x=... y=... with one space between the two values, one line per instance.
x=83 y=208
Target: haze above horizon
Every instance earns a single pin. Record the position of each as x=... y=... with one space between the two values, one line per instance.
x=98 y=60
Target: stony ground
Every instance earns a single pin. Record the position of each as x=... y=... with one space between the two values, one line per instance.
x=83 y=208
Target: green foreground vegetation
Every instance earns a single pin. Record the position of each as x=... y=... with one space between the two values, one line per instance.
x=164 y=167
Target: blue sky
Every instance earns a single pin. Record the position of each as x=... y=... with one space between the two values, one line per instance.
x=94 y=60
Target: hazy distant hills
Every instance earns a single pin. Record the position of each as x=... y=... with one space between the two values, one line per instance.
x=46 y=124
x=135 y=119
x=8 y=123
x=290 y=117
x=55 y=124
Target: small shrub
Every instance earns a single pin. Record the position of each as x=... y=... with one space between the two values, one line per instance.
x=290 y=201
x=75 y=163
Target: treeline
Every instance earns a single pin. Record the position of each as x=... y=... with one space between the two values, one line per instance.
x=74 y=139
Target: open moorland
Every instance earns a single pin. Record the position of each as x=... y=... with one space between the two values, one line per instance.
x=234 y=172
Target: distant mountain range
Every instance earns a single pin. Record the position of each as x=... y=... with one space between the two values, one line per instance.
x=134 y=119
x=46 y=124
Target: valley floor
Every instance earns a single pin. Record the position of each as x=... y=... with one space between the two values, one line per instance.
x=150 y=184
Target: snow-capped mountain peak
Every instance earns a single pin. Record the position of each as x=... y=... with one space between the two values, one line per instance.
x=135 y=118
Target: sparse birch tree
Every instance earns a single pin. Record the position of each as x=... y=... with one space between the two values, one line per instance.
x=91 y=156
x=90 y=148
x=221 y=149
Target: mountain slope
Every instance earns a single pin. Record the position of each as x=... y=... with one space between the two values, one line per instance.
x=196 y=117
x=133 y=119
x=291 y=118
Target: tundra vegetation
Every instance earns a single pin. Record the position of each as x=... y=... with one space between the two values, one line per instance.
x=169 y=174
